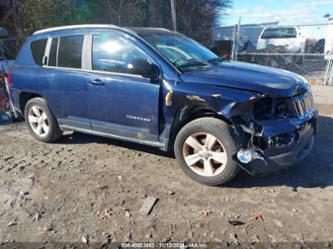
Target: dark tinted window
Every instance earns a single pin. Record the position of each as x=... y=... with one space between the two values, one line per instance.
x=53 y=52
x=114 y=53
x=38 y=49
x=70 y=51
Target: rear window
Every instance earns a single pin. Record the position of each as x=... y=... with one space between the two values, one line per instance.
x=279 y=33
x=38 y=50
x=70 y=51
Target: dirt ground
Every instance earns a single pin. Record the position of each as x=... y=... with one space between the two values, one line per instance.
x=92 y=187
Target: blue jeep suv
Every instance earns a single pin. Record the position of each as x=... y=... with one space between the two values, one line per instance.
x=159 y=88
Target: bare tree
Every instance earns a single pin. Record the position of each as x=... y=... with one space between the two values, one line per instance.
x=195 y=18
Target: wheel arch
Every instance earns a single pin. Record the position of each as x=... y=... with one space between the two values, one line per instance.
x=25 y=97
x=187 y=114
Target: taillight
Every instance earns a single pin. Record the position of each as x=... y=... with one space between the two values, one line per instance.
x=9 y=80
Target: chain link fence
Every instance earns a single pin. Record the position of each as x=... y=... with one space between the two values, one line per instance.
x=302 y=49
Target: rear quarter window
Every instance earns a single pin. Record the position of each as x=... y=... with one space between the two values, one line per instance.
x=38 y=50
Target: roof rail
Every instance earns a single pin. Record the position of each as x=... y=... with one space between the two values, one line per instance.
x=150 y=28
x=74 y=27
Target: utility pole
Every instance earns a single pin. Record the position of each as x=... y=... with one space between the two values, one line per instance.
x=236 y=36
x=173 y=15
x=147 y=21
x=120 y=11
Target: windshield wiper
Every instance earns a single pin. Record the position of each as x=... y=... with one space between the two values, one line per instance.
x=216 y=60
x=193 y=63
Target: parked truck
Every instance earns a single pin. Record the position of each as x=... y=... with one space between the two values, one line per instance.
x=290 y=39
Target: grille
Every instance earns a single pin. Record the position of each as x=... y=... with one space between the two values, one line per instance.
x=303 y=105
x=298 y=106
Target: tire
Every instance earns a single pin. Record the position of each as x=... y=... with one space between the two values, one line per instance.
x=36 y=110
x=203 y=130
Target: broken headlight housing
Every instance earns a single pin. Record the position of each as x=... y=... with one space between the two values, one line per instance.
x=270 y=108
x=263 y=109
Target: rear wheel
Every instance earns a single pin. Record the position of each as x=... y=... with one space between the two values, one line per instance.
x=41 y=121
x=204 y=149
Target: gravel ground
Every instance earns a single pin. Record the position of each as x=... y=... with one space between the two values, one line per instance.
x=95 y=187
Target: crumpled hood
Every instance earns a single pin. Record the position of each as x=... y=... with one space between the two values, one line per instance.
x=274 y=82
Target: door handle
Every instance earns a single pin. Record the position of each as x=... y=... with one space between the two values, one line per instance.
x=96 y=82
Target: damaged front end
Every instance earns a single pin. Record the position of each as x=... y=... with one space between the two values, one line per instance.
x=276 y=132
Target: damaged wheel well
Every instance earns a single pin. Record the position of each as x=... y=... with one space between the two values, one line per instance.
x=188 y=114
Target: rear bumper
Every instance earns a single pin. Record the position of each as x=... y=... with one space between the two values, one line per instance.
x=280 y=157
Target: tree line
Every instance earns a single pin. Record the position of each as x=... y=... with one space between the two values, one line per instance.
x=195 y=18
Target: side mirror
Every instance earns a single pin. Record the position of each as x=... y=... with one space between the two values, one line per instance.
x=144 y=68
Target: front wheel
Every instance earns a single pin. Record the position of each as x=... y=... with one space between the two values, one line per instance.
x=204 y=149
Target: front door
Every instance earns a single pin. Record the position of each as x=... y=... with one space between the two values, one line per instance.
x=120 y=101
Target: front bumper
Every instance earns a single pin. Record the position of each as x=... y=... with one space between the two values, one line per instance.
x=281 y=156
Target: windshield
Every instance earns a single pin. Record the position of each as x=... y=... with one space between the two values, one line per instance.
x=276 y=33
x=184 y=53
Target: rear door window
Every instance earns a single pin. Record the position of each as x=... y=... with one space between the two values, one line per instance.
x=53 y=52
x=70 y=51
x=38 y=50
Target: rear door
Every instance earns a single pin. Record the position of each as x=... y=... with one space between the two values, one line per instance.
x=62 y=80
x=26 y=70
x=120 y=101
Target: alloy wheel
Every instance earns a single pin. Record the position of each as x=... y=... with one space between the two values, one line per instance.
x=38 y=121
x=204 y=154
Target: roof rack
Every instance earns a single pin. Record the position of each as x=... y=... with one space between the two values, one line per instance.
x=149 y=28
x=74 y=27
